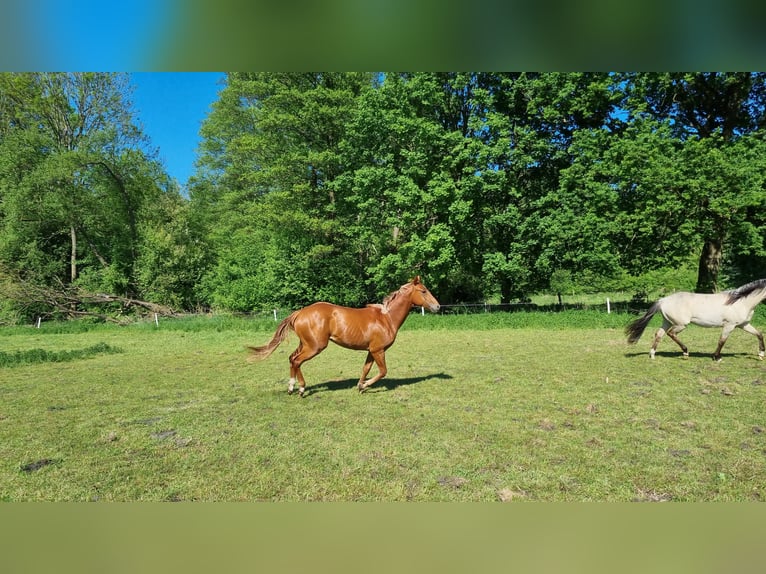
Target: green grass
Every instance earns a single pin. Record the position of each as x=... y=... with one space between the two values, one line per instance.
x=593 y=299
x=508 y=406
x=31 y=356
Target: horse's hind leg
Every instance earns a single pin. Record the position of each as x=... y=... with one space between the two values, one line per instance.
x=303 y=353
x=658 y=337
x=748 y=328
x=727 y=329
x=673 y=334
x=293 y=370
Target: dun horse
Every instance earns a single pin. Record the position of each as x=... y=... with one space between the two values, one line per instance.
x=729 y=310
x=372 y=329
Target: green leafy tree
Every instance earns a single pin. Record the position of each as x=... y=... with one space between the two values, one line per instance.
x=343 y=186
x=717 y=109
x=621 y=206
x=77 y=178
x=74 y=174
x=531 y=217
x=409 y=193
x=728 y=183
x=172 y=254
x=264 y=189
x=561 y=282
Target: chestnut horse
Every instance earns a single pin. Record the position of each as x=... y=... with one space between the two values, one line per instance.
x=372 y=329
x=729 y=310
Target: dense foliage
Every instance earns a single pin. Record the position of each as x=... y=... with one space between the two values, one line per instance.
x=341 y=186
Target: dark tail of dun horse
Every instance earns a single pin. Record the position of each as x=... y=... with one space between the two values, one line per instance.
x=637 y=327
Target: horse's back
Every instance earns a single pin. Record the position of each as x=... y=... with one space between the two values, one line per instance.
x=703 y=309
x=329 y=310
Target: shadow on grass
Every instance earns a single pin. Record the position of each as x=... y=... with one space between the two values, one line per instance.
x=692 y=354
x=389 y=383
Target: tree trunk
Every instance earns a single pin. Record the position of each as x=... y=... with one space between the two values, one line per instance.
x=73 y=256
x=505 y=291
x=710 y=264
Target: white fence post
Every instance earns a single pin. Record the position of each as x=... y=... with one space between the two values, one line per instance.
x=275 y=314
x=608 y=306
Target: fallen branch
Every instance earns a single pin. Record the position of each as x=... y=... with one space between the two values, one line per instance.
x=73 y=302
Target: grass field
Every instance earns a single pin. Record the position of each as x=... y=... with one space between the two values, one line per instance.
x=511 y=407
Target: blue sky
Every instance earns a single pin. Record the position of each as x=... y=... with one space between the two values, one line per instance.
x=171 y=107
x=85 y=35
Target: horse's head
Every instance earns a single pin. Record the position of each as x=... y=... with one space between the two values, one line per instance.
x=421 y=296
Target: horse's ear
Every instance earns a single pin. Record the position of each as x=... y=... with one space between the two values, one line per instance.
x=416 y=281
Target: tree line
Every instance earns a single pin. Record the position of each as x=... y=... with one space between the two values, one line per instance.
x=342 y=186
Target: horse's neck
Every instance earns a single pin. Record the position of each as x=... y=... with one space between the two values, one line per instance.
x=753 y=299
x=398 y=308
x=757 y=296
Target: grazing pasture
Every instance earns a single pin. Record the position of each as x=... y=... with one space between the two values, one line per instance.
x=507 y=407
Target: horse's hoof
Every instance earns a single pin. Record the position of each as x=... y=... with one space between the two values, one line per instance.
x=289 y=391
x=760 y=357
x=686 y=355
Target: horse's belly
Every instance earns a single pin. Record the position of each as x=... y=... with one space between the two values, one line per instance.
x=355 y=344
x=705 y=321
x=718 y=319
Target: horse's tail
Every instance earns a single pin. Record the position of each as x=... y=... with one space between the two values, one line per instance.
x=280 y=335
x=637 y=327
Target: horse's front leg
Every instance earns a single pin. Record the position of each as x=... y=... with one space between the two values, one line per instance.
x=380 y=360
x=365 y=371
x=748 y=328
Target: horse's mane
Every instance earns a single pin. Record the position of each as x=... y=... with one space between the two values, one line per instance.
x=388 y=299
x=745 y=290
